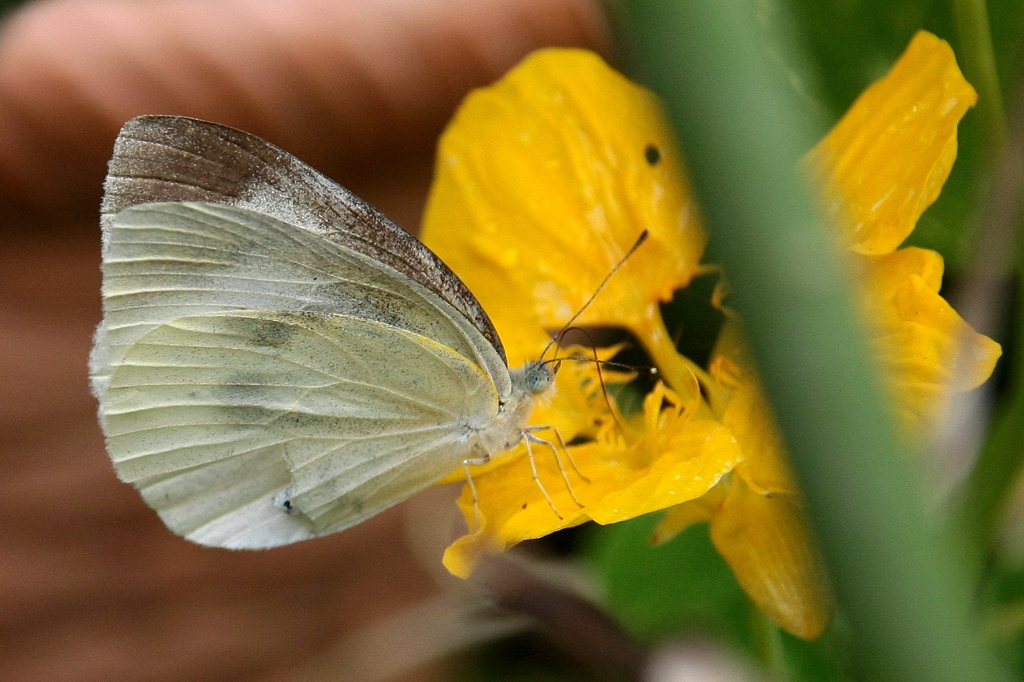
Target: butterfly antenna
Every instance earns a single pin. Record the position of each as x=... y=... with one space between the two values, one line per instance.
x=597 y=361
x=604 y=391
x=558 y=337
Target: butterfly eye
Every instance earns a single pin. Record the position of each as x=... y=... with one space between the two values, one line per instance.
x=652 y=154
x=538 y=378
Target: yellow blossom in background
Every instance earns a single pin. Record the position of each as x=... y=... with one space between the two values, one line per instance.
x=545 y=180
x=881 y=166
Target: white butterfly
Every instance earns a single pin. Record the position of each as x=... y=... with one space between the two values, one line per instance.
x=277 y=360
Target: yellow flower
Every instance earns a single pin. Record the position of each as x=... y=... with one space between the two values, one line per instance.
x=544 y=181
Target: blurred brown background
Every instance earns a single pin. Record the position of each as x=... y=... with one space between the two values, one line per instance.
x=92 y=586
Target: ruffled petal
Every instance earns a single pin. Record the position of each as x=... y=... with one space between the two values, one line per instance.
x=918 y=335
x=749 y=417
x=683 y=458
x=885 y=274
x=886 y=160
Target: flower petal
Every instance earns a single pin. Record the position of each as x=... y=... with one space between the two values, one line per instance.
x=885 y=274
x=918 y=335
x=749 y=417
x=682 y=516
x=685 y=458
x=764 y=539
x=544 y=181
x=886 y=160
x=703 y=452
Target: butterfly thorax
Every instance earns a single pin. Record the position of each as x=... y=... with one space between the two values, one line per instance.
x=505 y=429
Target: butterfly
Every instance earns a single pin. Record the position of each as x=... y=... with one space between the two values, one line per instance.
x=277 y=360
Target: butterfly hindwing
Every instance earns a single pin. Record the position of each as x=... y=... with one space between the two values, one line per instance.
x=255 y=428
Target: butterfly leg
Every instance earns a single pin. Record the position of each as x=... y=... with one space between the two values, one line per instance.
x=530 y=438
x=472 y=488
x=565 y=448
x=536 y=479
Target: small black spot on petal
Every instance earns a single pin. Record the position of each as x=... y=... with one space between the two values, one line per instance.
x=652 y=154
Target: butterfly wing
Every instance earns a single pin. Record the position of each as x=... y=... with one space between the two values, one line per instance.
x=175 y=158
x=254 y=429
x=222 y=386
x=165 y=261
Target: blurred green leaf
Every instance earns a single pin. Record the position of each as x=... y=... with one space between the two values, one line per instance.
x=684 y=588
x=743 y=132
x=824 y=660
x=7 y=6
x=1004 y=622
x=681 y=586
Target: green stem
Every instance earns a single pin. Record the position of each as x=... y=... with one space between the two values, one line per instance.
x=743 y=135
x=979 y=64
x=987 y=490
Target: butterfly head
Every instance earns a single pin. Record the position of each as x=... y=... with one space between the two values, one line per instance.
x=538 y=376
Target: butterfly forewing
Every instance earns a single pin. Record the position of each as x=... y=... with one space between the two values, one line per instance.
x=174 y=158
